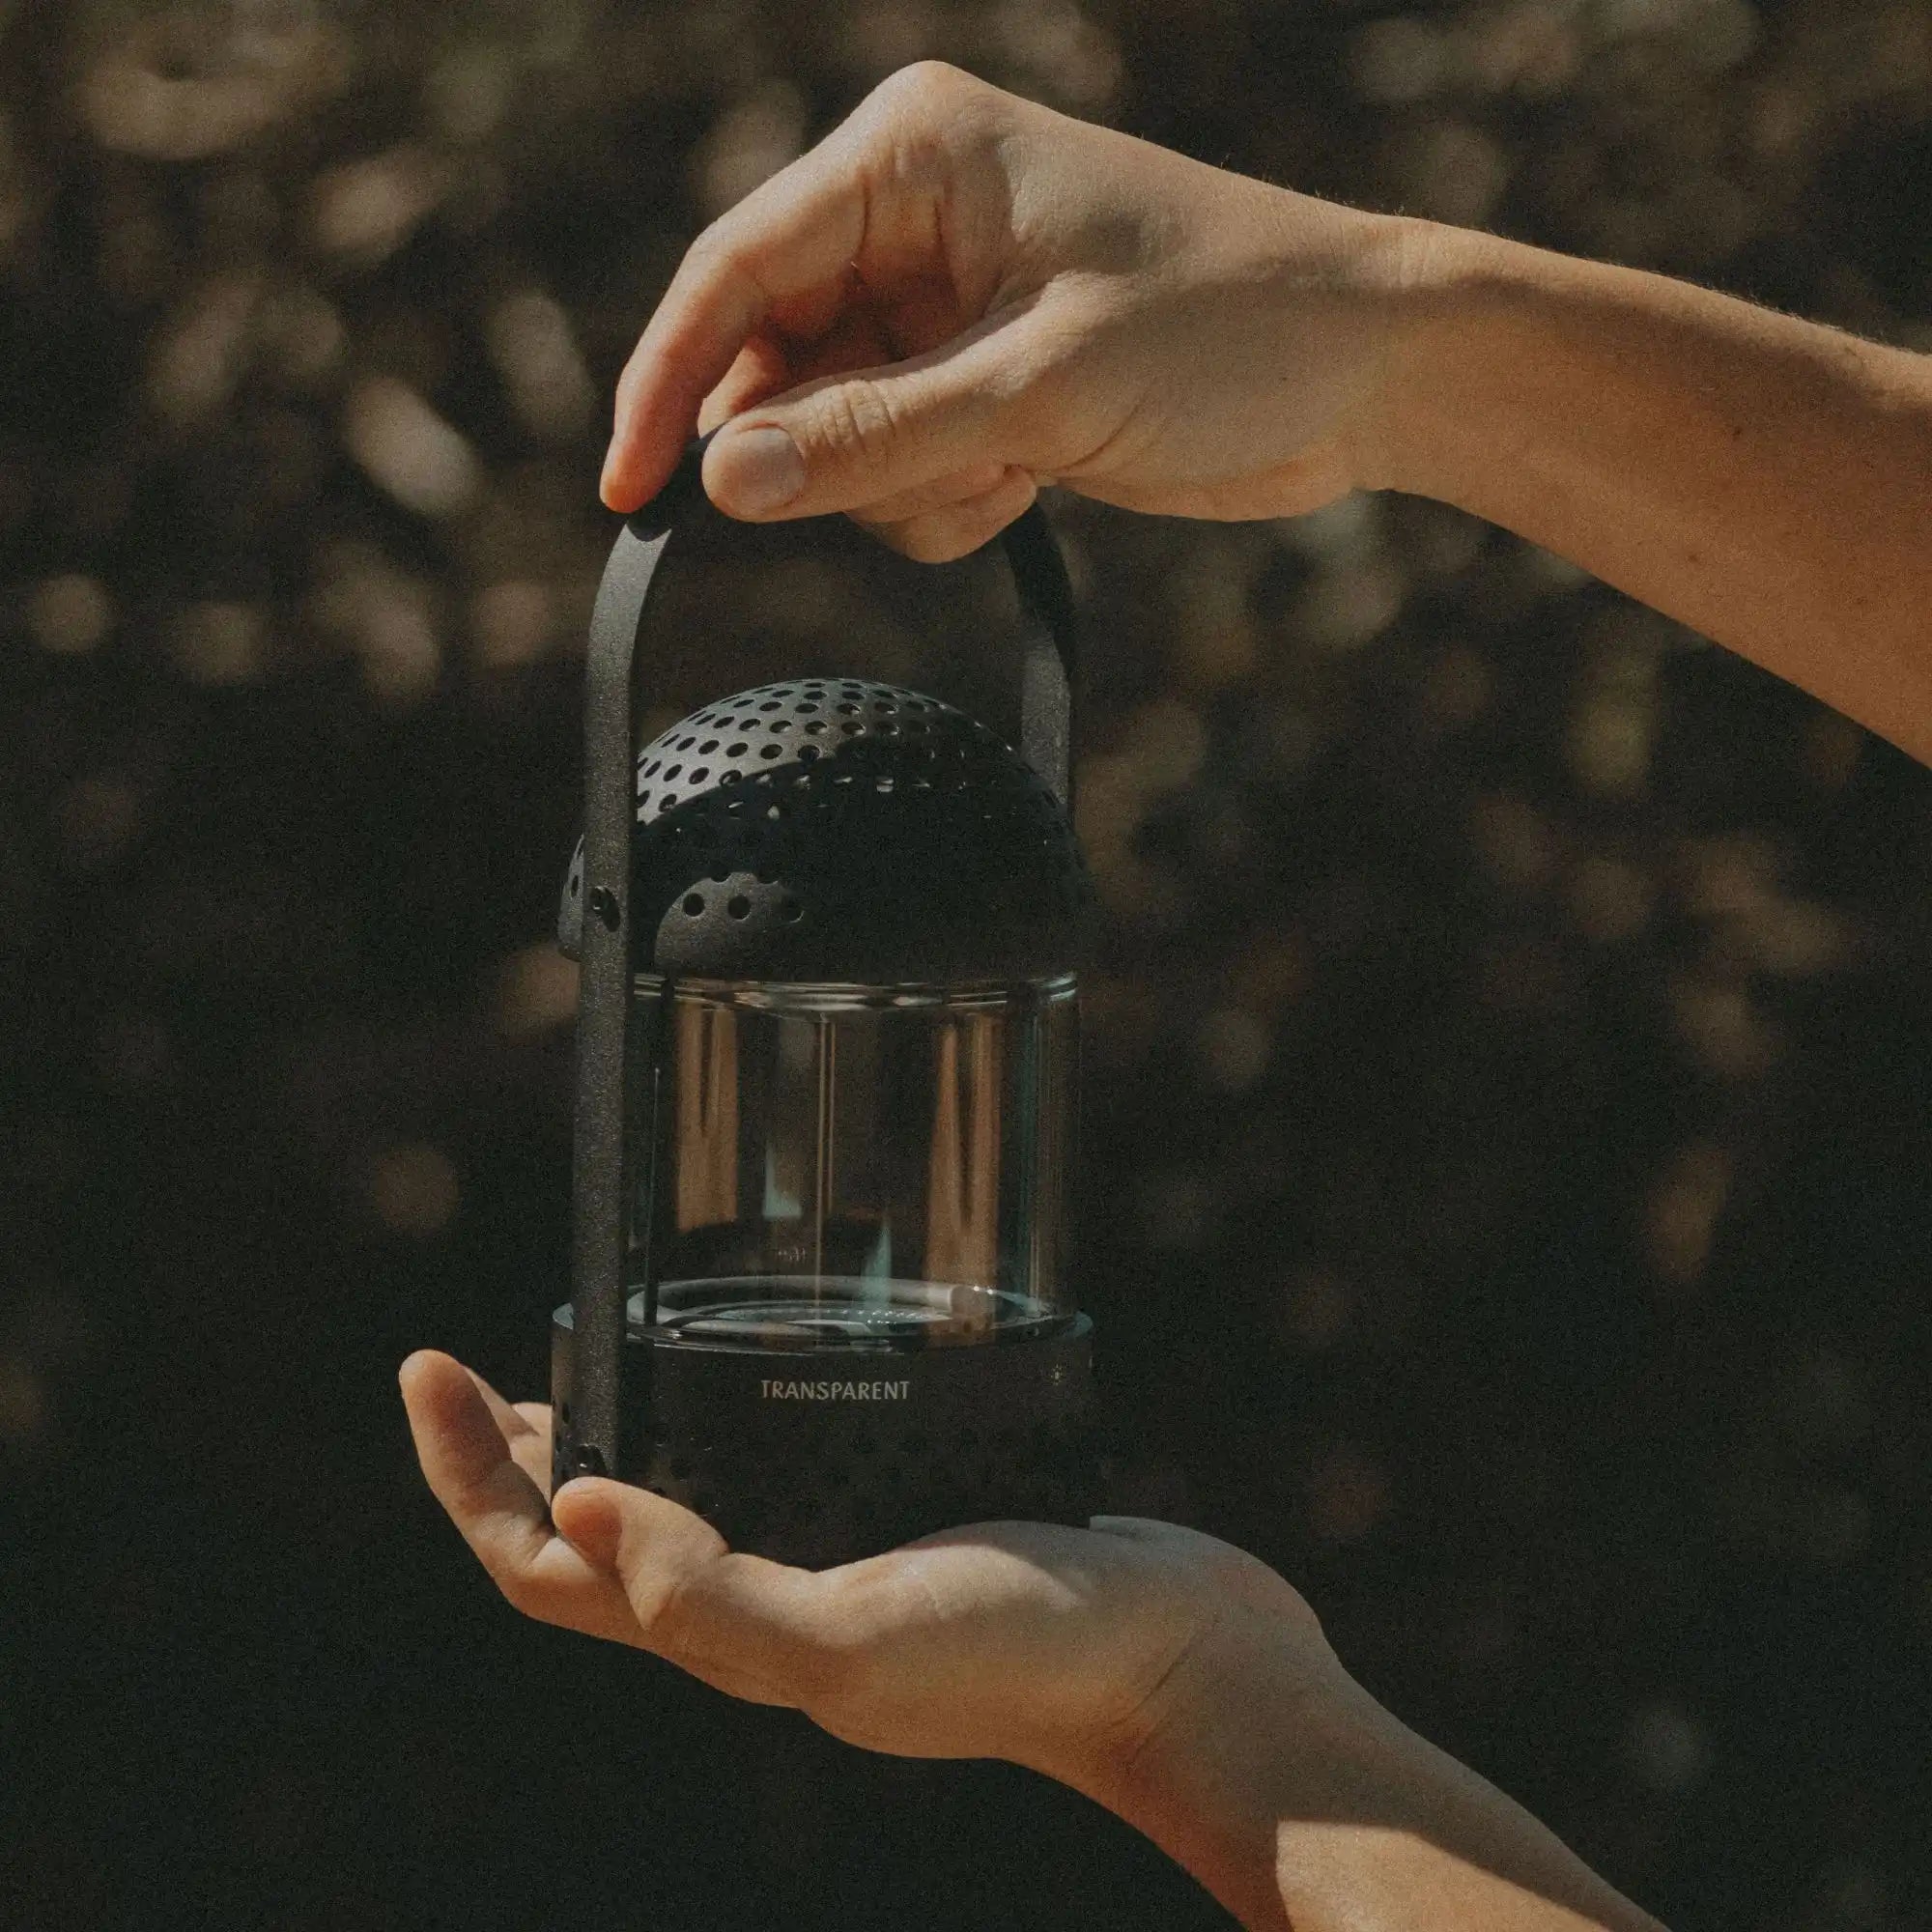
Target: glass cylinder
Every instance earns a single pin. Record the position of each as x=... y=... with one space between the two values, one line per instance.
x=841 y=1165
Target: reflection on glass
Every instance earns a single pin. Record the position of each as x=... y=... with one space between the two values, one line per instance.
x=858 y=1164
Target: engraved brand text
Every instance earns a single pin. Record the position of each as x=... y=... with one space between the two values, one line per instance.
x=784 y=1391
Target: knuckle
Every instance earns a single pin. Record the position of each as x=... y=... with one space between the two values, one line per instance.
x=856 y=423
x=711 y=253
x=923 y=123
x=925 y=87
x=725 y=251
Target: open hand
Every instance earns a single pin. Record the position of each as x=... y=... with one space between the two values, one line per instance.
x=1061 y=1649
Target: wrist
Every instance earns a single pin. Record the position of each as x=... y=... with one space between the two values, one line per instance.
x=1454 y=301
x=1247 y=1733
x=1303 y=1806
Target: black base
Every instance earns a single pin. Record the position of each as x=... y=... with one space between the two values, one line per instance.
x=823 y=1455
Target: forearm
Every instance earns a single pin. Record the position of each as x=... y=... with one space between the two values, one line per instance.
x=1764 y=480
x=1319 y=1813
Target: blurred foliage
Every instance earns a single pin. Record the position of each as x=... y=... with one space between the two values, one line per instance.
x=1508 y=1142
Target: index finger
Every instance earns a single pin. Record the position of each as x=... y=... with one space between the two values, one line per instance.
x=784 y=251
x=787 y=256
x=498 y=1507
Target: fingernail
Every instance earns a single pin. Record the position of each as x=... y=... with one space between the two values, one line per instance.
x=608 y=476
x=756 y=471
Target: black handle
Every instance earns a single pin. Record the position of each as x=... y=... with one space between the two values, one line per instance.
x=1050 y=668
x=611 y=1058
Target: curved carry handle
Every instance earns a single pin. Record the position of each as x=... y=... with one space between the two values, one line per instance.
x=612 y=1063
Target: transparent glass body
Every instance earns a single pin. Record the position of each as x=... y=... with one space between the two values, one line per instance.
x=840 y=1166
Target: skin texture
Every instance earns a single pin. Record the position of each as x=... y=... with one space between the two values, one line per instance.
x=1042 y=1645
x=955 y=297
x=1022 y=296
x=1167 y=1675
x=1762 y=479
x=958 y=295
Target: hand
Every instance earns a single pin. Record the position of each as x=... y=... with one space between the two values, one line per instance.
x=1167 y=1675
x=959 y=295
x=1065 y=1650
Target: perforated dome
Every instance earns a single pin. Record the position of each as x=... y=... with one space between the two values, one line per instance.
x=833 y=828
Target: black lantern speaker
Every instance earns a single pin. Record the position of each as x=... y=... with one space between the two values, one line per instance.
x=826 y=1093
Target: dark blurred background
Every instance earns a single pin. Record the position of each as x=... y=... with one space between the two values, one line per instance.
x=1511 y=1165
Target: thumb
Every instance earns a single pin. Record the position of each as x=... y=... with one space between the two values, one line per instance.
x=752 y=1628
x=844 y=441
x=654 y=1546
